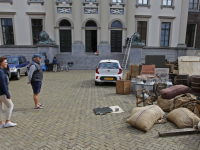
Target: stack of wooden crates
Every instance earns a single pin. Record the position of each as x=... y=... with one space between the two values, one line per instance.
x=123 y=86
x=133 y=72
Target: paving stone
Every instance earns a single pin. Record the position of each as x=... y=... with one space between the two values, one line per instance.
x=68 y=122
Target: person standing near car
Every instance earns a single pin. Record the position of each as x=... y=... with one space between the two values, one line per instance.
x=35 y=77
x=46 y=61
x=5 y=95
x=54 y=62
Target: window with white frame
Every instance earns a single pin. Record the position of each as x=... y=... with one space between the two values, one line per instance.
x=193 y=4
x=37 y=28
x=190 y=35
x=165 y=34
x=143 y=2
x=167 y=2
x=117 y=1
x=7 y=30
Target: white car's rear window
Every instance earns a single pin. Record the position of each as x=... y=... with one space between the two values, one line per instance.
x=108 y=65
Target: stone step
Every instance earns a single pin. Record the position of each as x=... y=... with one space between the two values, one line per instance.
x=87 y=62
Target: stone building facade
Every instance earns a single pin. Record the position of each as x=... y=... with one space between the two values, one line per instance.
x=82 y=27
x=193 y=25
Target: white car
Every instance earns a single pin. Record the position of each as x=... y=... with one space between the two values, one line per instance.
x=108 y=71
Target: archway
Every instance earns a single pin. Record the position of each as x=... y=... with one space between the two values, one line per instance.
x=116 y=36
x=90 y=36
x=65 y=36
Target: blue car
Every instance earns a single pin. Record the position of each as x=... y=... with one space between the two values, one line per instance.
x=18 y=65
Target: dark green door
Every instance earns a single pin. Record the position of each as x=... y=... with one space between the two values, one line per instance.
x=91 y=40
x=116 y=41
x=65 y=41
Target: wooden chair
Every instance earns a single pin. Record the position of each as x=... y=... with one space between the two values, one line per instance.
x=142 y=99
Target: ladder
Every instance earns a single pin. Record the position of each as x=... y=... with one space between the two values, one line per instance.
x=127 y=52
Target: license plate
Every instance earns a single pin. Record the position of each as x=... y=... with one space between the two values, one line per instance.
x=108 y=78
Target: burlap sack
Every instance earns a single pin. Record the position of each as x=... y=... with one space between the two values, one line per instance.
x=144 y=118
x=164 y=104
x=183 y=118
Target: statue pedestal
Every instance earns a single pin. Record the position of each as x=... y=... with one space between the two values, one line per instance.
x=135 y=54
x=47 y=50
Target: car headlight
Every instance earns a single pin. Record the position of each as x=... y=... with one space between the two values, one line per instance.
x=13 y=69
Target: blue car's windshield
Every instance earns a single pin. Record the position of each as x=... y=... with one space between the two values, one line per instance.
x=12 y=60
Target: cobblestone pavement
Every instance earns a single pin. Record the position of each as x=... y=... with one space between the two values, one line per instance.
x=68 y=121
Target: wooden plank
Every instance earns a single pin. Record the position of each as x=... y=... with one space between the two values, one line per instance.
x=176 y=132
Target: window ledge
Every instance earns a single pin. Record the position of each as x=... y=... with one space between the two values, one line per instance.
x=143 y=16
x=143 y=5
x=7 y=1
x=35 y=13
x=38 y=1
x=165 y=6
x=7 y=13
x=193 y=10
x=166 y=17
x=69 y=2
x=97 y=3
x=123 y=4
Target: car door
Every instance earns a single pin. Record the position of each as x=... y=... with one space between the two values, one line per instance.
x=21 y=65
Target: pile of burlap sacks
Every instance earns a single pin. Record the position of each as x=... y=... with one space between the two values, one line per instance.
x=180 y=104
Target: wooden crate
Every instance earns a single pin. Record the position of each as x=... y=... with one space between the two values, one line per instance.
x=134 y=70
x=123 y=87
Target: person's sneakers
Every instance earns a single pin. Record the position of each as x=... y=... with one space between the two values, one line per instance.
x=2 y=125
x=9 y=124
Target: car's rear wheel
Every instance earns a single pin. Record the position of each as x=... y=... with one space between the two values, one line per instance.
x=26 y=73
x=96 y=83
x=18 y=75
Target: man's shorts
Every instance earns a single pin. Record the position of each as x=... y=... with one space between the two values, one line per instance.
x=36 y=86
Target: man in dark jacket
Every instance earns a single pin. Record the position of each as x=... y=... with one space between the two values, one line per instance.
x=35 y=77
x=5 y=95
x=54 y=62
x=46 y=61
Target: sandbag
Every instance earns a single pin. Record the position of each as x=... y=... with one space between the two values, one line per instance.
x=185 y=100
x=183 y=118
x=174 y=91
x=144 y=118
x=164 y=104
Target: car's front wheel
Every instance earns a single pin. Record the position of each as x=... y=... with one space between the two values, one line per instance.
x=96 y=83
x=18 y=75
x=26 y=73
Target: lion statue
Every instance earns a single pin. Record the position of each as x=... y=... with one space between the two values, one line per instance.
x=45 y=39
x=136 y=39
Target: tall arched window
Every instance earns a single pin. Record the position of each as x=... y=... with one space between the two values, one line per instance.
x=65 y=23
x=116 y=36
x=65 y=36
x=90 y=36
x=91 y=23
x=116 y=24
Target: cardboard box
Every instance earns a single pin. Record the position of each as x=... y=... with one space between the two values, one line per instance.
x=123 y=87
x=172 y=67
x=134 y=70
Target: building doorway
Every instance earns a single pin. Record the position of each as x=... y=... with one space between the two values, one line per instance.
x=65 y=36
x=116 y=36
x=91 y=36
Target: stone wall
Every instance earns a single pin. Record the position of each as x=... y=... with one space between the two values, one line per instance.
x=193 y=52
x=28 y=52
